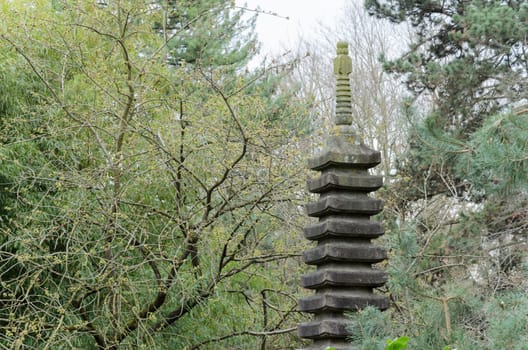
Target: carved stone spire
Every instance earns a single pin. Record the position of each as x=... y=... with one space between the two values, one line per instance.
x=344 y=279
x=342 y=69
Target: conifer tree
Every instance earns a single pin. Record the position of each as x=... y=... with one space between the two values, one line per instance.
x=469 y=58
x=459 y=262
x=206 y=32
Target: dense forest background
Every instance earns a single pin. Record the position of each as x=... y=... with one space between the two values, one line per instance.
x=152 y=182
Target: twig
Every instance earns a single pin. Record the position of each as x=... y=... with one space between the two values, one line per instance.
x=242 y=333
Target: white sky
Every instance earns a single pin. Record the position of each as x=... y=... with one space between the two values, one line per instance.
x=277 y=33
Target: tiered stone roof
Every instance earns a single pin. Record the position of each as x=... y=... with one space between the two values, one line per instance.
x=344 y=279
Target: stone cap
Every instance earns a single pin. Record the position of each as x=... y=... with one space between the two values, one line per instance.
x=344 y=252
x=339 y=203
x=343 y=148
x=331 y=181
x=335 y=327
x=344 y=276
x=344 y=227
x=342 y=300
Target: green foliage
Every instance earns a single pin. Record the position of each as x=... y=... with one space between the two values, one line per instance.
x=456 y=221
x=397 y=344
x=491 y=162
x=504 y=314
x=138 y=198
x=468 y=54
x=206 y=32
x=369 y=327
x=476 y=324
x=496 y=160
x=437 y=299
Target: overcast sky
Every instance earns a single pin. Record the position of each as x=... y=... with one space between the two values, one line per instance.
x=277 y=32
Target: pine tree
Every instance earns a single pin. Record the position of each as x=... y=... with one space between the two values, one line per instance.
x=459 y=256
x=206 y=32
x=469 y=58
x=468 y=55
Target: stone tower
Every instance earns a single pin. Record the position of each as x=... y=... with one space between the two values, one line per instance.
x=344 y=278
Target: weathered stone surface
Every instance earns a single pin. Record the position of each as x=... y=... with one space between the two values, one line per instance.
x=331 y=181
x=340 y=301
x=344 y=204
x=344 y=228
x=342 y=68
x=328 y=328
x=363 y=159
x=344 y=279
x=344 y=276
x=344 y=252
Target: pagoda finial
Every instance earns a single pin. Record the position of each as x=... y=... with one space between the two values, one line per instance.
x=342 y=69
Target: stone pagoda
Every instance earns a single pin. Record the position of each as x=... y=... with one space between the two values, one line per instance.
x=344 y=278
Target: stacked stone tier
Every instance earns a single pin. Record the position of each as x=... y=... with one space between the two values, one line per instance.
x=334 y=326
x=362 y=157
x=343 y=227
x=344 y=279
x=339 y=300
x=344 y=276
x=336 y=181
x=338 y=251
x=341 y=203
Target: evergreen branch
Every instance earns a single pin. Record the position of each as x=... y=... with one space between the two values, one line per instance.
x=436 y=268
